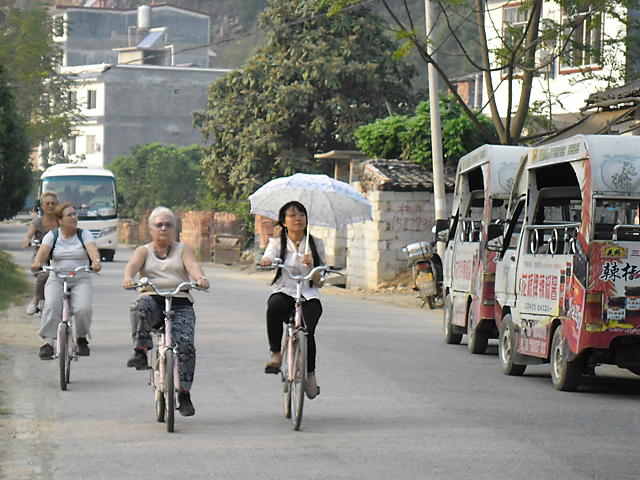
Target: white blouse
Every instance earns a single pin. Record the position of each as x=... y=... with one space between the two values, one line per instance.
x=293 y=260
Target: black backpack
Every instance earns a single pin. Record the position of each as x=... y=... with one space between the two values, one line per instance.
x=56 y=232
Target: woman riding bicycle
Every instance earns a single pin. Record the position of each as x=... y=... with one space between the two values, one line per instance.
x=37 y=230
x=166 y=263
x=69 y=248
x=290 y=247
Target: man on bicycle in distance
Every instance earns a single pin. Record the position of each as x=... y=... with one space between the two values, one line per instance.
x=166 y=263
x=290 y=248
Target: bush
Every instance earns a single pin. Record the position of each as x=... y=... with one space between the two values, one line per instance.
x=13 y=282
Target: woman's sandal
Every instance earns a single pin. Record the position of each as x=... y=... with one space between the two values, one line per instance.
x=274 y=365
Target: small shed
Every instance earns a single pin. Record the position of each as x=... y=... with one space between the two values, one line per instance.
x=401 y=194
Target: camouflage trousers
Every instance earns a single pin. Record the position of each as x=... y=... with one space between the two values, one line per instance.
x=146 y=315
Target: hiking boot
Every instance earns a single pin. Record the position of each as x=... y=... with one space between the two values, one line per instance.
x=46 y=352
x=185 y=407
x=138 y=360
x=83 y=347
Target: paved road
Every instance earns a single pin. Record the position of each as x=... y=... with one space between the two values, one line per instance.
x=396 y=402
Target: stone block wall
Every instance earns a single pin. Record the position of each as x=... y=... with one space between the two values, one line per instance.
x=375 y=248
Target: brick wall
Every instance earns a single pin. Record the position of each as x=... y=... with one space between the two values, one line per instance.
x=195 y=228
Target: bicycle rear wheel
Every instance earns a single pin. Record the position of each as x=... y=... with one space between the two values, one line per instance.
x=298 y=378
x=63 y=354
x=169 y=389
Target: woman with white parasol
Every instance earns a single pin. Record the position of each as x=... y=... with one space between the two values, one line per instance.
x=299 y=251
x=332 y=204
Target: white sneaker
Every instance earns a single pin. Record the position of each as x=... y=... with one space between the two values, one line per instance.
x=31 y=308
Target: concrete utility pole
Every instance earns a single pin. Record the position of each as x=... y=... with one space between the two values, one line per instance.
x=436 y=132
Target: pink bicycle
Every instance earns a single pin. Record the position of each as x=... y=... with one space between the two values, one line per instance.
x=164 y=378
x=293 y=370
x=67 y=349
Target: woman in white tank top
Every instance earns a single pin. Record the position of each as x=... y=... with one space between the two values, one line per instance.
x=166 y=263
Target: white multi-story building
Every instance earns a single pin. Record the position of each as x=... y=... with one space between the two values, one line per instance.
x=561 y=82
x=140 y=75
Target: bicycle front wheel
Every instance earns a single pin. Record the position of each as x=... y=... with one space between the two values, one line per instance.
x=169 y=389
x=284 y=373
x=298 y=378
x=155 y=380
x=63 y=354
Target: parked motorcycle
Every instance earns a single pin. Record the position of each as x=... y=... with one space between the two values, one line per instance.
x=426 y=267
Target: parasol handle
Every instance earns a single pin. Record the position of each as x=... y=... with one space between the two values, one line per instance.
x=306 y=247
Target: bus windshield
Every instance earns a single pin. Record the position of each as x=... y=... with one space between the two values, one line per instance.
x=93 y=196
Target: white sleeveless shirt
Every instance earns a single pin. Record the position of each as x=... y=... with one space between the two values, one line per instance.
x=165 y=274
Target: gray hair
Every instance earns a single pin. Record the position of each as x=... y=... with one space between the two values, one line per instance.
x=161 y=211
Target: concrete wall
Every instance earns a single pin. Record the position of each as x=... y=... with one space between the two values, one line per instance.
x=374 y=252
x=142 y=104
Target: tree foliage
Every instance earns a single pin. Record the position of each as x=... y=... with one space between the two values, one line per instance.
x=31 y=57
x=155 y=175
x=15 y=172
x=514 y=55
x=408 y=137
x=315 y=82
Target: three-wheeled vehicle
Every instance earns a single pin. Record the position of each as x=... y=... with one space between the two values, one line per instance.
x=567 y=281
x=483 y=186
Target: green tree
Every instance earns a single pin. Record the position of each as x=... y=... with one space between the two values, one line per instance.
x=32 y=58
x=316 y=81
x=15 y=171
x=155 y=175
x=408 y=137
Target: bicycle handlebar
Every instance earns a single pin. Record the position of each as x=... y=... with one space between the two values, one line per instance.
x=145 y=282
x=299 y=278
x=61 y=273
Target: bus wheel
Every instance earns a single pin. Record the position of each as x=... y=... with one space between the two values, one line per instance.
x=506 y=348
x=565 y=375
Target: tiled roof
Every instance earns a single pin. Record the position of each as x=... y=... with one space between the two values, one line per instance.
x=630 y=90
x=401 y=176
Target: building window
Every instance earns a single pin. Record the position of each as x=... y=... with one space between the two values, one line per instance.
x=583 y=39
x=71 y=146
x=91 y=144
x=58 y=27
x=91 y=99
x=514 y=21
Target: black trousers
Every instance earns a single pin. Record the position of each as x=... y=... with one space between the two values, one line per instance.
x=280 y=307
